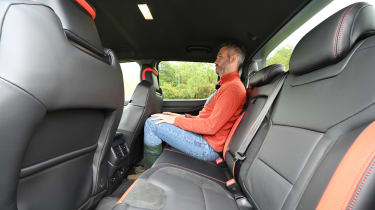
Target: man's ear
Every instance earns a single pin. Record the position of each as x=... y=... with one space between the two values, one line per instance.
x=233 y=58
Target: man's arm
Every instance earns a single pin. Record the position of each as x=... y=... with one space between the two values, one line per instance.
x=227 y=104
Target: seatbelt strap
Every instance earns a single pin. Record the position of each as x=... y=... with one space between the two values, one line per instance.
x=240 y=153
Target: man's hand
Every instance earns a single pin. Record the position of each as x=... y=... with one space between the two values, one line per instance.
x=163 y=118
x=172 y=114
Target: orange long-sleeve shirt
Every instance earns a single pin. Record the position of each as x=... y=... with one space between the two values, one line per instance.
x=217 y=118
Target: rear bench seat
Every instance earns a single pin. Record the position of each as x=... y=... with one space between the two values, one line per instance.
x=261 y=85
x=315 y=150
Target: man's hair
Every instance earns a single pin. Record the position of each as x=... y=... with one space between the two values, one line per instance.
x=236 y=48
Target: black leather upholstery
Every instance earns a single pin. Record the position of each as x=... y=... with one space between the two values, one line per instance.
x=146 y=100
x=77 y=24
x=315 y=119
x=266 y=75
x=60 y=108
x=332 y=39
x=175 y=158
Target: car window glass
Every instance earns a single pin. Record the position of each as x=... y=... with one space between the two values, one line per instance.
x=131 y=74
x=187 y=80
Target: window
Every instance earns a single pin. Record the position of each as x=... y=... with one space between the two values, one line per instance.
x=131 y=72
x=187 y=80
x=282 y=53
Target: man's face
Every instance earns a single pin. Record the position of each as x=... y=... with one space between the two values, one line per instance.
x=222 y=61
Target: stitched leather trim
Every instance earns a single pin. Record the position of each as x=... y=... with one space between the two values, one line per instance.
x=126 y=192
x=350 y=173
x=342 y=30
x=354 y=200
x=337 y=37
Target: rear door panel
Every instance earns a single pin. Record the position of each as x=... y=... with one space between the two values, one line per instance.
x=183 y=106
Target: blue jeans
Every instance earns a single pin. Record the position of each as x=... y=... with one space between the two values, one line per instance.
x=190 y=143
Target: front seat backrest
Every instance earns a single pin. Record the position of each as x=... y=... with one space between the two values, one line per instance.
x=60 y=103
x=147 y=99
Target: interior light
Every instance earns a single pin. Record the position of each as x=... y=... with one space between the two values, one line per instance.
x=145 y=11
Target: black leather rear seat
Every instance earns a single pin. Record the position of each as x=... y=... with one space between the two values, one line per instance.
x=261 y=86
x=327 y=100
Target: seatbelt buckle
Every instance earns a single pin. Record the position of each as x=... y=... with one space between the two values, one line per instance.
x=220 y=162
x=241 y=200
x=230 y=182
x=239 y=156
x=232 y=186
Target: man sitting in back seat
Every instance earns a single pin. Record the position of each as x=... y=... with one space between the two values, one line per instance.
x=201 y=136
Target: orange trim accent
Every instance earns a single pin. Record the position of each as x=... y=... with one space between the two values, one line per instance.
x=234 y=167
x=234 y=128
x=230 y=182
x=146 y=70
x=126 y=192
x=87 y=7
x=341 y=190
x=219 y=160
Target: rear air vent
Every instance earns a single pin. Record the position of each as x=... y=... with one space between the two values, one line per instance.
x=117 y=152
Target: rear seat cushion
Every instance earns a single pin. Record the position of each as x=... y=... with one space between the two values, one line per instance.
x=173 y=157
x=166 y=187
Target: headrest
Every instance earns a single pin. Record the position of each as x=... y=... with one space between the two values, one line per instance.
x=147 y=74
x=332 y=39
x=266 y=75
x=151 y=75
x=77 y=20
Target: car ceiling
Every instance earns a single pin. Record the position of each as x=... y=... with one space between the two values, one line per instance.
x=189 y=29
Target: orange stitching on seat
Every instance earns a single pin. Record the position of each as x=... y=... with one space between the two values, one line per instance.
x=361 y=186
x=341 y=30
x=336 y=34
x=126 y=192
x=350 y=173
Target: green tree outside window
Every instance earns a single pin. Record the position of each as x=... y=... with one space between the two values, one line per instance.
x=281 y=56
x=187 y=80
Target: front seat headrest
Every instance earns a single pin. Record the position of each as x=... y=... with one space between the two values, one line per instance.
x=332 y=39
x=151 y=75
x=266 y=75
x=76 y=17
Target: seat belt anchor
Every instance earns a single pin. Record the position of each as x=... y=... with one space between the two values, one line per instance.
x=239 y=156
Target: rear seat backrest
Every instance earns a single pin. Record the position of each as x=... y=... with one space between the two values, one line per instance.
x=330 y=65
x=147 y=99
x=262 y=85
